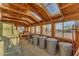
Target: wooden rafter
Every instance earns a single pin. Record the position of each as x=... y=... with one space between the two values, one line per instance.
x=22 y=7
x=74 y=16
x=66 y=6
x=71 y=10
x=13 y=21
x=39 y=11
x=15 y=11
x=9 y=17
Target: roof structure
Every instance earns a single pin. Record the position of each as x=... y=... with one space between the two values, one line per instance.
x=33 y=13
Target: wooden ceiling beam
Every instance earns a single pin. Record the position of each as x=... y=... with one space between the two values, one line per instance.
x=74 y=16
x=9 y=17
x=19 y=16
x=13 y=21
x=25 y=8
x=71 y=10
x=15 y=11
x=22 y=7
x=39 y=11
x=66 y=6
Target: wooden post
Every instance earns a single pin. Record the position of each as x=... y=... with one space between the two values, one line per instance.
x=35 y=30
x=41 y=29
x=63 y=30
x=52 y=29
x=26 y=29
x=1 y=28
x=30 y=29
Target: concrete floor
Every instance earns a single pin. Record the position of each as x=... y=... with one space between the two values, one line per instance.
x=28 y=49
x=24 y=48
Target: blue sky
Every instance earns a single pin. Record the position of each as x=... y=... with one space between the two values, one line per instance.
x=52 y=8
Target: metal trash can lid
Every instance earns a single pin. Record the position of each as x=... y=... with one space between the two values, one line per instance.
x=42 y=37
x=52 y=39
x=65 y=44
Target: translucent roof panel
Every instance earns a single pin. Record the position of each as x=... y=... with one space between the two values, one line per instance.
x=33 y=14
x=27 y=20
x=52 y=8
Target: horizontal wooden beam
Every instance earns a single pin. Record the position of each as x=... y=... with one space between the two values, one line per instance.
x=66 y=6
x=13 y=18
x=74 y=16
x=22 y=7
x=39 y=11
x=15 y=11
x=14 y=22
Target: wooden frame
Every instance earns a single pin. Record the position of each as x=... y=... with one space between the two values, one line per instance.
x=20 y=10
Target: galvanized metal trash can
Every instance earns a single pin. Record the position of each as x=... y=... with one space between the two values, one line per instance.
x=35 y=40
x=51 y=46
x=42 y=42
x=28 y=38
x=31 y=39
x=65 y=49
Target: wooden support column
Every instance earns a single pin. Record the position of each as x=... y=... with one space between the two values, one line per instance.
x=0 y=14
x=26 y=29
x=30 y=30
x=12 y=32
x=35 y=29
x=41 y=26
x=16 y=26
x=1 y=29
x=52 y=29
x=63 y=29
x=76 y=45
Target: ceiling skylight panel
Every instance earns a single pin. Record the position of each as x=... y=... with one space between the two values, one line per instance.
x=28 y=20
x=52 y=8
x=34 y=14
